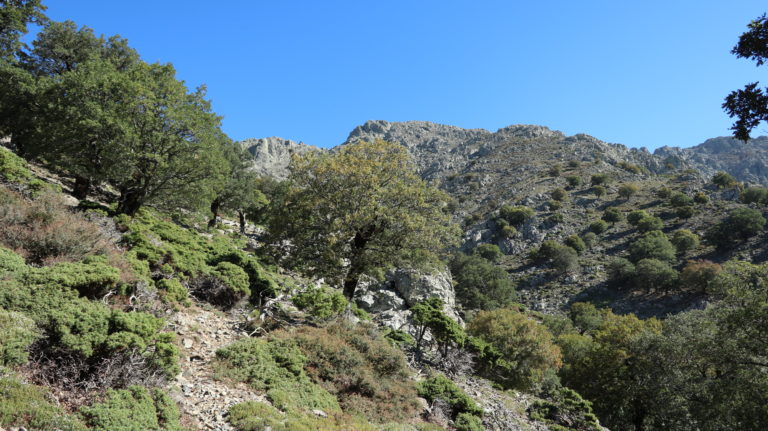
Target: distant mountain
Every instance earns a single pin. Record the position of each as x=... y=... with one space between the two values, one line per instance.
x=745 y=161
x=271 y=156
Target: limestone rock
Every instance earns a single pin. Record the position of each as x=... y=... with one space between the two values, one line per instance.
x=271 y=156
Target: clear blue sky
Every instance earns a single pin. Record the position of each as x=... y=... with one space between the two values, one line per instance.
x=641 y=73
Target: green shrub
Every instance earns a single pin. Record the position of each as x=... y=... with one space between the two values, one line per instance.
x=321 y=303
x=724 y=180
x=276 y=367
x=468 y=422
x=573 y=181
x=17 y=332
x=685 y=212
x=479 y=284
x=575 y=242
x=555 y=218
x=635 y=216
x=443 y=388
x=652 y=245
x=526 y=349
x=428 y=315
x=627 y=190
x=620 y=271
x=589 y=239
x=13 y=169
x=653 y=274
x=565 y=259
x=507 y=232
x=598 y=226
x=685 y=240
x=135 y=408
x=612 y=215
x=559 y=195
x=11 y=263
x=554 y=205
x=92 y=278
x=650 y=223
x=679 y=199
x=567 y=410
x=573 y=164
x=359 y=367
x=740 y=224
x=664 y=193
x=699 y=275
x=599 y=191
x=554 y=171
x=399 y=338
x=631 y=167
x=490 y=252
x=256 y=416
x=599 y=179
x=702 y=198
x=758 y=195
x=516 y=215
x=173 y=291
x=28 y=406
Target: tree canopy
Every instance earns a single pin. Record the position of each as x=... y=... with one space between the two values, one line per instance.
x=749 y=105
x=357 y=209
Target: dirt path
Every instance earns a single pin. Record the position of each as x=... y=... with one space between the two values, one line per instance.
x=201 y=398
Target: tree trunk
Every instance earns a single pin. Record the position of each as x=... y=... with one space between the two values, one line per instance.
x=215 y=205
x=81 y=188
x=129 y=202
x=241 y=214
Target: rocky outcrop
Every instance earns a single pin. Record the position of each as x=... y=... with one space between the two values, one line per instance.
x=745 y=161
x=271 y=156
x=401 y=289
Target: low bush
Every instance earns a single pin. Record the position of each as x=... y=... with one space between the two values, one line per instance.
x=620 y=272
x=256 y=416
x=758 y=195
x=598 y=226
x=664 y=193
x=650 y=223
x=599 y=191
x=628 y=190
x=566 y=410
x=684 y=240
x=135 y=408
x=516 y=215
x=599 y=179
x=29 y=406
x=635 y=216
x=685 y=212
x=17 y=332
x=526 y=349
x=702 y=198
x=652 y=245
x=724 y=180
x=680 y=199
x=740 y=224
x=653 y=274
x=573 y=181
x=559 y=195
x=575 y=242
x=440 y=387
x=479 y=284
x=612 y=215
x=321 y=302
x=698 y=275
x=490 y=252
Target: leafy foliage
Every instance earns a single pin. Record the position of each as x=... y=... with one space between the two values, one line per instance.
x=526 y=346
x=441 y=387
x=322 y=302
x=364 y=205
x=481 y=285
x=133 y=409
x=516 y=215
x=652 y=245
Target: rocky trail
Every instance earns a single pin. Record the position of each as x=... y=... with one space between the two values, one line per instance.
x=204 y=400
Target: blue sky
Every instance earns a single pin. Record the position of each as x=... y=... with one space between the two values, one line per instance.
x=647 y=73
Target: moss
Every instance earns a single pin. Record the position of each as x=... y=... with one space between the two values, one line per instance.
x=28 y=406
x=133 y=409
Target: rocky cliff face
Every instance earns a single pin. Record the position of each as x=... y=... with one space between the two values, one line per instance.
x=745 y=161
x=271 y=156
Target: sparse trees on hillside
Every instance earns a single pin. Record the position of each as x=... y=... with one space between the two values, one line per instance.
x=357 y=209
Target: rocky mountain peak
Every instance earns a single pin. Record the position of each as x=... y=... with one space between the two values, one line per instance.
x=271 y=156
